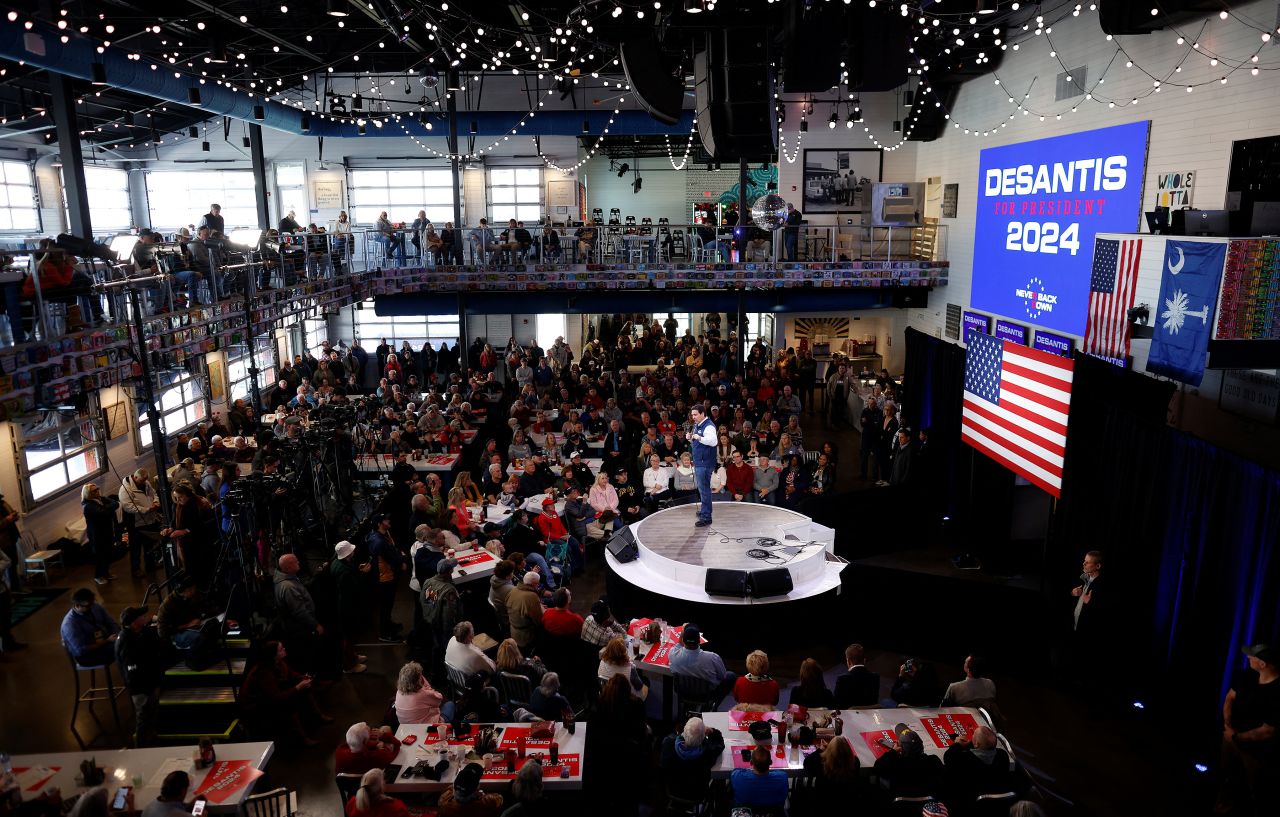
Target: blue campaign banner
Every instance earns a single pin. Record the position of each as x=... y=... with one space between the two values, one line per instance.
x=1012 y=332
x=1040 y=204
x=1188 y=296
x=973 y=322
x=1053 y=344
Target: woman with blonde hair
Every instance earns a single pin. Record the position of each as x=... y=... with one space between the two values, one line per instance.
x=457 y=514
x=837 y=784
x=616 y=660
x=756 y=687
x=416 y=701
x=369 y=801
x=511 y=660
x=469 y=489
x=603 y=496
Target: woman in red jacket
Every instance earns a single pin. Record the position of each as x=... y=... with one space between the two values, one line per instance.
x=756 y=687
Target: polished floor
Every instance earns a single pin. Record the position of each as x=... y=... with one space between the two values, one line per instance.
x=740 y=537
x=1090 y=754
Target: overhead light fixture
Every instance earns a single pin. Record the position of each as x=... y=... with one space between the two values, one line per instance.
x=983 y=8
x=586 y=126
x=98 y=73
x=57 y=162
x=336 y=8
x=475 y=127
x=244 y=140
x=804 y=125
x=897 y=126
x=850 y=119
x=193 y=131
x=717 y=166
x=832 y=120
x=695 y=6
x=360 y=130
x=217 y=51
x=623 y=169
x=193 y=96
x=635 y=186
x=204 y=146
x=305 y=123
x=908 y=98
x=259 y=112
x=357 y=102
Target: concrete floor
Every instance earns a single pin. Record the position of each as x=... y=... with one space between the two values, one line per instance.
x=1105 y=760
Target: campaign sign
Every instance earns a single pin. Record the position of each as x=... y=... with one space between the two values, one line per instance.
x=1012 y=332
x=945 y=729
x=1040 y=204
x=1053 y=344
x=973 y=322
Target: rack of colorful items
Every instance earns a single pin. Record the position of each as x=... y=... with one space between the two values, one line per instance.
x=175 y=337
x=842 y=274
x=307 y=298
x=46 y=374
x=1250 y=305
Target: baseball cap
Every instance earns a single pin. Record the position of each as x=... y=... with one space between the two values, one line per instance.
x=691 y=636
x=467 y=781
x=344 y=549
x=910 y=741
x=445 y=566
x=131 y=614
x=548 y=501
x=575 y=455
x=1263 y=652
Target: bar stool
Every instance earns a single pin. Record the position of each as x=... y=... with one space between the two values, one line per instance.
x=93 y=693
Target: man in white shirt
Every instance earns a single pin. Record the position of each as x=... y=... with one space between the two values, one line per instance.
x=462 y=654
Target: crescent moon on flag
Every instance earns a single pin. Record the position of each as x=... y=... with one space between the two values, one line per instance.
x=1174 y=269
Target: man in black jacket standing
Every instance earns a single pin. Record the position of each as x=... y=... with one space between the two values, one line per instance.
x=139 y=651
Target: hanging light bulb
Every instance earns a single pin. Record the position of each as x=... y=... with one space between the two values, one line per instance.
x=833 y=119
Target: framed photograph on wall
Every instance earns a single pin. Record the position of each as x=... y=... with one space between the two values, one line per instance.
x=840 y=180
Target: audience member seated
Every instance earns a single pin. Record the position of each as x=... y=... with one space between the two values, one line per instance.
x=760 y=787
x=917 y=685
x=975 y=690
x=906 y=769
x=179 y=618
x=276 y=700
x=617 y=746
x=977 y=767
x=688 y=757
x=465 y=798
x=172 y=801
x=858 y=687
x=558 y=619
x=527 y=793
x=837 y=785
x=511 y=660
x=600 y=627
x=811 y=691
x=615 y=659
x=462 y=653
x=416 y=701
x=369 y=801
x=547 y=702
x=688 y=658
x=365 y=749
x=756 y=687
x=89 y=631
x=524 y=611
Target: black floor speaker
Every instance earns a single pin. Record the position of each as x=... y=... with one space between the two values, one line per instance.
x=623 y=545
x=721 y=582
x=765 y=583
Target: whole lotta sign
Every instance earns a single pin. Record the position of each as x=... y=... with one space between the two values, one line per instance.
x=1039 y=203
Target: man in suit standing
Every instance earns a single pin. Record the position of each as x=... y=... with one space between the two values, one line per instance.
x=617 y=448
x=858 y=686
x=703 y=440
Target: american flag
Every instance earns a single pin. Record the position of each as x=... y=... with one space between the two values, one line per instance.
x=1111 y=290
x=1015 y=408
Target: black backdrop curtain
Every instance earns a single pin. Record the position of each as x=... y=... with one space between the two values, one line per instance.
x=933 y=398
x=1189 y=534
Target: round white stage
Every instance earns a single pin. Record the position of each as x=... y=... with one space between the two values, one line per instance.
x=674 y=555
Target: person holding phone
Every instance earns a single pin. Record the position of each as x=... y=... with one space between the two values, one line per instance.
x=173 y=797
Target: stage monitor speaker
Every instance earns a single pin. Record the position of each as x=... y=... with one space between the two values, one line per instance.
x=911 y=297
x=658 y=88
x=733 y=91
x=623 y=545
x=721 y=582
x=765 y=583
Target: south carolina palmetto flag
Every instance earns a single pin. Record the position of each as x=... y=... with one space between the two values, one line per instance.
x=1112 y=285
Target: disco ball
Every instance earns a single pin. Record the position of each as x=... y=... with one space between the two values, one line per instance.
x=429 y=80
x=769 y=211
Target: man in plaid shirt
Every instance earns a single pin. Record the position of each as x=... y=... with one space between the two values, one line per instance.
x=599 y=627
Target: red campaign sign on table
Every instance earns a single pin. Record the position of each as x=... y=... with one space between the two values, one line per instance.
x=38 y=783
x=873 y=742
x=475 y=558
x=659 y=655
x=510 y=734
x=549 y=770
x=942 y=727
x=227 y=778
x=741 y=721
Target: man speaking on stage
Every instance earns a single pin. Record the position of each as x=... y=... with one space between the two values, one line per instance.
x=703 y=438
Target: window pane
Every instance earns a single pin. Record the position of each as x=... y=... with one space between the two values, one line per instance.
x=529 y=175
x=503 y=213
x=404 y=196
x=526 y=195
x=368 y=178
x=437 y=178
x=500 y=176
x=404 y=178
x=17 y=173
x=372 y=197
x=291 y=175
x=529 y=215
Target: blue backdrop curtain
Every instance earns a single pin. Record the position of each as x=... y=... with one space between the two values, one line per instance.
x=1188 y=532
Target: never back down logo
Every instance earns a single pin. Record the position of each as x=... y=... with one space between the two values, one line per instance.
x=1035 y=300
